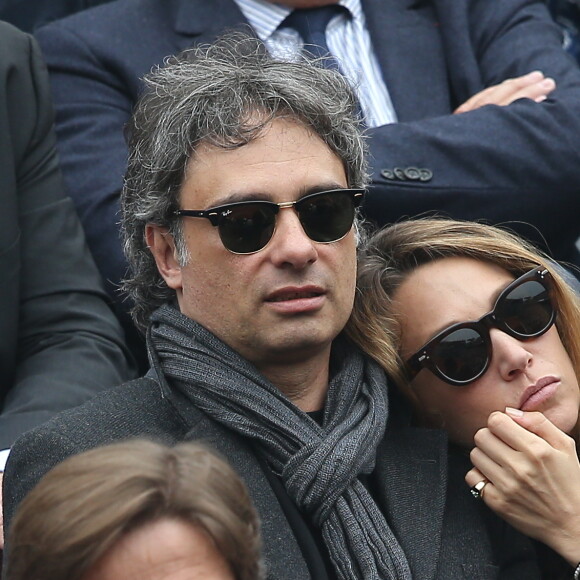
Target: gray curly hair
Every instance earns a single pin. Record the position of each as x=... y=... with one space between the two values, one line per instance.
x=224 y=95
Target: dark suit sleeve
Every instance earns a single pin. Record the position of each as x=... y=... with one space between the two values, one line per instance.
x=68 y=343
x=519 y=162
x=29 y=462
x=134 y=409
x=93 y=107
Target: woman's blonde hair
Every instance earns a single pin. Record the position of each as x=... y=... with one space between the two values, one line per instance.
x=392 y=253
x=84 y=505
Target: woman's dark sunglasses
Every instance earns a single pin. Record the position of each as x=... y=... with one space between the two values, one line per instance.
x=461 y=353
x=246 y=227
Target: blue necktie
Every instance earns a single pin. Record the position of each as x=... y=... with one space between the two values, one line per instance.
x=311 y=24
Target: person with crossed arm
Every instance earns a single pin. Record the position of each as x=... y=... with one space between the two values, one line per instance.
x=513 y=154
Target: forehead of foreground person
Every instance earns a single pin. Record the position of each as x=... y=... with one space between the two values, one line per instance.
x=183 y=510
x=419 y=277
x=227 y=123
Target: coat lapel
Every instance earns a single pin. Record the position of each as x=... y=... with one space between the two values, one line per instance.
x=281 y=552
x=406 y=39
x=411 y=475
x=464 y=70
x=204 y=21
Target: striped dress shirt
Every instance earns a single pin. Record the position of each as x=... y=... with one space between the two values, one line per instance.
x=349 y=42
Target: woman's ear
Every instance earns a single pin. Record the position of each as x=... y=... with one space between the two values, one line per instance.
x=162 y=246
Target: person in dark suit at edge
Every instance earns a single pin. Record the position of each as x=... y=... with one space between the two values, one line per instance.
x=60 y=342
x=414 y=63
x=239 y=220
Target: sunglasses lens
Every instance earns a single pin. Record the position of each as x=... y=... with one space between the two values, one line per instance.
x=247 y=228
x=461 y=356
x=462 y=353
x=527 y=310
x=326 y=217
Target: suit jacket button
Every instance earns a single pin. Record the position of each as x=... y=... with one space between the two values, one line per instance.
x=388 y=174
x=425 y=174
x=412 y=173
x=399 y=174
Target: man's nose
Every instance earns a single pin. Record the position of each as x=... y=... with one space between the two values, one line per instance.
x=510 y=354
x=290 y=244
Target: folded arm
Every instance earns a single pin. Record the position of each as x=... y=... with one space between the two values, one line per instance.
x=516 y=160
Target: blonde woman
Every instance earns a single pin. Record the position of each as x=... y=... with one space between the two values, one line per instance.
x=481 y=333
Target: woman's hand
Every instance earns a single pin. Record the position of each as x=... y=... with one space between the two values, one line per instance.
x=534 y=478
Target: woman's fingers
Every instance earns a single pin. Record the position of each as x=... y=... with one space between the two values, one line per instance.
x=538 y=424
x=534 y=478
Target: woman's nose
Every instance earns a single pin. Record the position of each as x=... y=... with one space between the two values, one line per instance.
x=511 y=355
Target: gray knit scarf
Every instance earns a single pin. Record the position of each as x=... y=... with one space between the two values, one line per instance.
x=318 y=465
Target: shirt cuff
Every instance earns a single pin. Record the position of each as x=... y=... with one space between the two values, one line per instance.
x=4 y=458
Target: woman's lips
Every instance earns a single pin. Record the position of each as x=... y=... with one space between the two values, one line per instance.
x=534 y=396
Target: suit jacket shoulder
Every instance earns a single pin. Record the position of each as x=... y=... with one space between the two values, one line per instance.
x=133 y=409
x=59 y=341
x=444 y=532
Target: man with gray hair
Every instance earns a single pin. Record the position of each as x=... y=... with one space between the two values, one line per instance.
x=241 y=192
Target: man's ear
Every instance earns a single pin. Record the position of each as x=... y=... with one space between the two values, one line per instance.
x=162 y=246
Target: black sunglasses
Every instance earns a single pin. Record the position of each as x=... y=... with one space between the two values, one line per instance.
x=246 y=227
x=461 y=353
